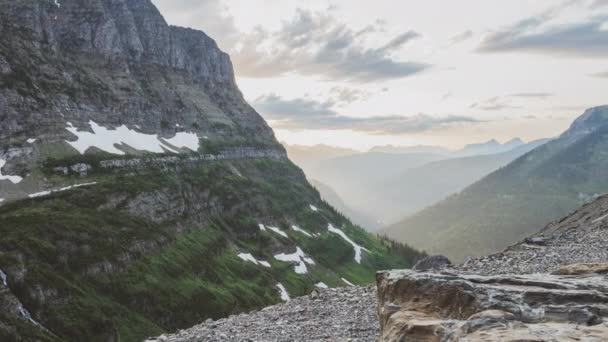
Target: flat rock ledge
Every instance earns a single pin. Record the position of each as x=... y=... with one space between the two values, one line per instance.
x=444 y=307
x=340 y=314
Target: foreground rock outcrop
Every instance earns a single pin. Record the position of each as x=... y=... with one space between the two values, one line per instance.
x=416 y=306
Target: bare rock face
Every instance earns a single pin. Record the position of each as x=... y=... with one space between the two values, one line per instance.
x=112 y=63
x=416 y=306
x=433 y=262
x=584 y=268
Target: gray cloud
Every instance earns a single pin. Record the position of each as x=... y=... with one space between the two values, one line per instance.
x=311 y=114
x=584 y=39
x=310 y=43
x=344 y=95
x=493 y=104
x=600 y=74
x=446 y=96
x=598 y=3
x=461 y=37
x=541 y=96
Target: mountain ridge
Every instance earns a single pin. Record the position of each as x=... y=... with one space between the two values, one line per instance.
x=510 y=203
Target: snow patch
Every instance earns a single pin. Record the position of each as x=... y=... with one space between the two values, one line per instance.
x=1 y=200
x=299 y=258
x=348 y=282
x=106 y=140
x=251 y=258
x=357 y=248
x=26 y=315
x=298 y=229
x=283 y=292
x=313 y=208
x=66 y=188
x=31 y=140
x=278 y=231
x=183 y=139
x=12 y=179
x=264 y=263
x=274 y=229
x=4 y=278
x=321 y=285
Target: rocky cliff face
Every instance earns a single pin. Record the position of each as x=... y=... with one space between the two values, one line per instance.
x=112 y=63
x=139 y=192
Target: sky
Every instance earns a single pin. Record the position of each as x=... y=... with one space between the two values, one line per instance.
x=358 y=73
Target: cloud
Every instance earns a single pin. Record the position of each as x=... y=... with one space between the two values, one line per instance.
x=344 y=95
x=598 y=3
x=461 y=37
x=309 y=43
x=310 y=114
x=541 y=96
x=493 y=104
x=446 y=96
x=600 y=74
x=583 y=39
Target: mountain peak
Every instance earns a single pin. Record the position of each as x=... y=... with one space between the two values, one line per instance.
x=589 y=121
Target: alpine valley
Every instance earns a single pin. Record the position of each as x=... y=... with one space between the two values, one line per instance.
x=139 y=192
x=513 y=202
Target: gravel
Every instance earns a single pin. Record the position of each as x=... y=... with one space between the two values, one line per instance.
x=341 y=314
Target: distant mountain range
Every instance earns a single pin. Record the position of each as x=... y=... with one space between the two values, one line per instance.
x=417 y=188
x=489 y=147
x=388 y=183
x=518 y=199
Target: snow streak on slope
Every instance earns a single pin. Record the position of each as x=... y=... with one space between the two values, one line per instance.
x=357 y=248
x=283 y=292
x=278 y=231
x=298 y=229
x=66 y=188
x=348 y=282
x=251 y=258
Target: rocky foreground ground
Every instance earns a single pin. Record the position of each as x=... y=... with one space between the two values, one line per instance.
x=508 y=296
x=342 y=314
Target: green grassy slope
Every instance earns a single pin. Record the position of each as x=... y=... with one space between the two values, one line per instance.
x=145 y=252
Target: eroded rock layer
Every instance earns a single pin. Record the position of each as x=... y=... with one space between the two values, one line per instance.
x=416 y=306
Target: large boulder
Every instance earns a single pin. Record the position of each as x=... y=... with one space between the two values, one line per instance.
x=418 y=306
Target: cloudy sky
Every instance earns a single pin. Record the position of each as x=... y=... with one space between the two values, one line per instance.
x=358 y=73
